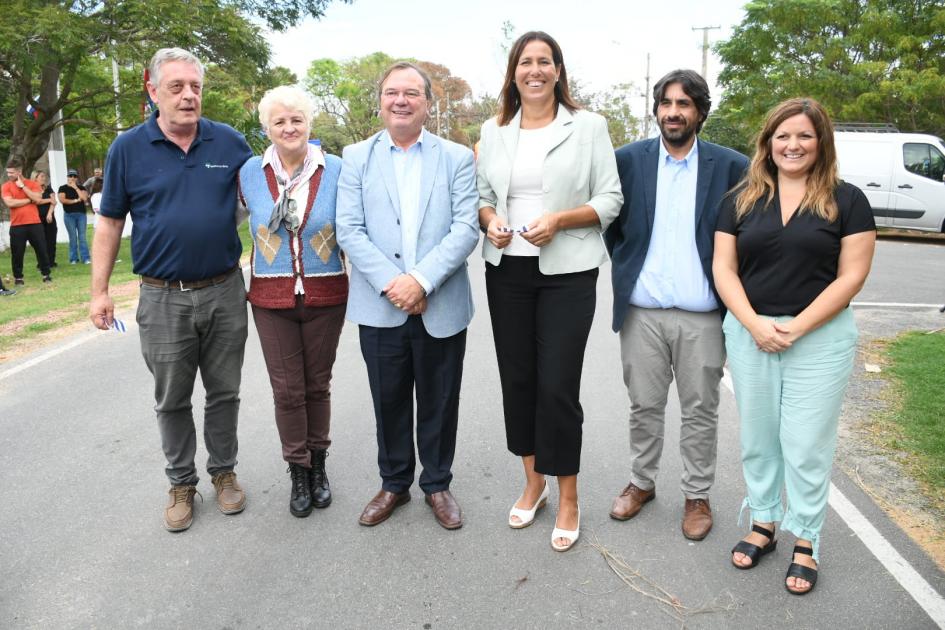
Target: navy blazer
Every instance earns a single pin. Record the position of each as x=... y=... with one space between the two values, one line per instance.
x=628 y=237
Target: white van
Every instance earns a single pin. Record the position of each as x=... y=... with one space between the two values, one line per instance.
x=902 y=174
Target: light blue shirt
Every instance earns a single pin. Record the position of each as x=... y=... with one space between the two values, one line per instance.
x=408 y=168
x=672 y=274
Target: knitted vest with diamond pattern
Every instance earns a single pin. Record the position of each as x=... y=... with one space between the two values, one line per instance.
x=273 y=279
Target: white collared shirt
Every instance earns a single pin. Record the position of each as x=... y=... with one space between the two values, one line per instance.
x=672 y=274
x=408 y=171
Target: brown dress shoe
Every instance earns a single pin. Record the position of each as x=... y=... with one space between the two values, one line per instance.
x=381 y=507
x=697 y=519
x=630 y=501
x=230 y=496
x=445 y=509
x=179 y=513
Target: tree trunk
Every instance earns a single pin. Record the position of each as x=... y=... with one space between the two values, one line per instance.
x=31 y=134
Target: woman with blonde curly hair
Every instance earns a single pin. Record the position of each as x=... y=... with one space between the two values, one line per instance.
x=793 y=247
x=298 y=288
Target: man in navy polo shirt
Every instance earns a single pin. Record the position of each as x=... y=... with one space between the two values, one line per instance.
x=176 y=175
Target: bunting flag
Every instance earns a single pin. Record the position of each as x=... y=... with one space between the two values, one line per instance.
x=32 y=111
x=147 y=105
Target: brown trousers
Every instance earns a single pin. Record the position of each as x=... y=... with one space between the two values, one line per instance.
x=299 y=346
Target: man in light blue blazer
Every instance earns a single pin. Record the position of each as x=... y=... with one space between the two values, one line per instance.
x=665 y=305
x=407 y=220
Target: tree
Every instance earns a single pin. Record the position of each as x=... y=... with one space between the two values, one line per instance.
x=48 y=50
x=865 y=60
x=449 y=95
x=614 y=105
x=347 y=92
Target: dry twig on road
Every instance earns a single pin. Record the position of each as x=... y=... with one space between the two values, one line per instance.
x=670 y=604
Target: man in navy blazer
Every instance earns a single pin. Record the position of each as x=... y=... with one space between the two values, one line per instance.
x=407 y=219
x=665 y=305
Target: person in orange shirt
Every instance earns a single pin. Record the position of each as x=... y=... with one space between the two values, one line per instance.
x=20 y=195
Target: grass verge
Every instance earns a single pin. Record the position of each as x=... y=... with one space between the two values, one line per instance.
x=39 y=308
x=915 y=364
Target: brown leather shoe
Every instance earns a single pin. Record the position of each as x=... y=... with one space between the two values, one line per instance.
x=630 y=501
x=179 y=513
x=445 y=509
x=230 y=496
x=697 y=519
x=381 y=507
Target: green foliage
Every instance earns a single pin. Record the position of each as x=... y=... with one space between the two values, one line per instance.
x=348 y=91
x=614 y=105
x=917 y=368
x=865 y=60
x=345 y=93
x=70 y=44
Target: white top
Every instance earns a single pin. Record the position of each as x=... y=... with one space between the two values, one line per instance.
x=526 y=198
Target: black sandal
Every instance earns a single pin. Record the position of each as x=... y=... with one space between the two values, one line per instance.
x=752 y=550
x=796 y=570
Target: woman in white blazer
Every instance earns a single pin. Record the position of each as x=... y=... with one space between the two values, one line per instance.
x=548 y=187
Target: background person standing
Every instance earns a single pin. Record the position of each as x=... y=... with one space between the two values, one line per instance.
x=21 y=196
x=73 y=197
x=47 y=215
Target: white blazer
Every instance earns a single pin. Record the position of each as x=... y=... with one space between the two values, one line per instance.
x=580 y=168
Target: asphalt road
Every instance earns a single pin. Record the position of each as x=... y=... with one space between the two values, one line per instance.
x=82 y=544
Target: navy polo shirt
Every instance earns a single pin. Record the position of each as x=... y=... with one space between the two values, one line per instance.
x=183 y=205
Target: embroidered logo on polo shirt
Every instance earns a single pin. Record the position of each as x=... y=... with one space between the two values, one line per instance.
x=209 y=165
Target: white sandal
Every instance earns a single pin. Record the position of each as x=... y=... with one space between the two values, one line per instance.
x=527 y=517
x=570 y=535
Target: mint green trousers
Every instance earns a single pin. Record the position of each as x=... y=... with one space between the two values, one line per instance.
x=789 y=404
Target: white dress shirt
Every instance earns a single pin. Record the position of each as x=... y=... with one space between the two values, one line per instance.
x=408 y=169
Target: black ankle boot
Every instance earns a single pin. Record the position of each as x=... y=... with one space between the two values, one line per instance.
x=300 y=501
x=318 y=480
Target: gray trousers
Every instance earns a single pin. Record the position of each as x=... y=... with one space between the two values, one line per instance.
x=655 y=346
x=181 y=332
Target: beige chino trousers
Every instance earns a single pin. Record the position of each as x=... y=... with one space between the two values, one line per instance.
x=656 y=346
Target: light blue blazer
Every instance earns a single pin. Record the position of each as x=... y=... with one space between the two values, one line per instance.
x=368 y=227
x=579 y=169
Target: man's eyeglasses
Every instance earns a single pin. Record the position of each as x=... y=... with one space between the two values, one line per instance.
x=410 y=95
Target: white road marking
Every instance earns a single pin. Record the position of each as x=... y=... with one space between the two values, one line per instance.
x=78 y=341
x=896 y=305
x=922 y=592
x=914 y=584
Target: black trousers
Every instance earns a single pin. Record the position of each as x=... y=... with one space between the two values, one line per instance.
x=19 y=236
x=540 y=325
x=400 y=361
x=49 y=231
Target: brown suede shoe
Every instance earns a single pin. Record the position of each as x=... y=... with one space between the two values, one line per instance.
x=179 y=513
x=445 y=509
x=697 y=519
x=630 y=502
x=381 y=507
x=230 y=496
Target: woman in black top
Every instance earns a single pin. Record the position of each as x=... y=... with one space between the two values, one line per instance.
x=47 y=214
x=793 y=246
x=72 y=196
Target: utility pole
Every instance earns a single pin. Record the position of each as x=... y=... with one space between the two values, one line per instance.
x=705 y=47
x=116 y=86
x=646 y=101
